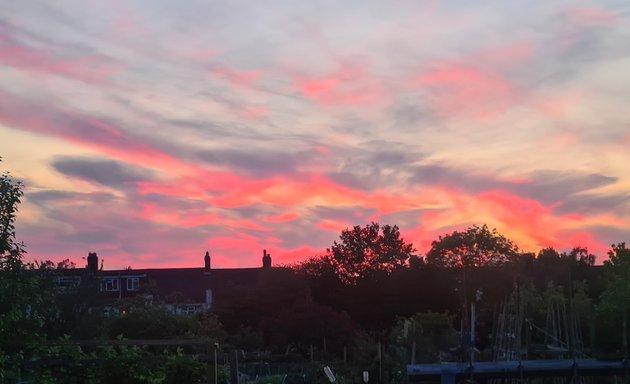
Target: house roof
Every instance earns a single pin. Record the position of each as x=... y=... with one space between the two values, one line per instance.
x=190 y=284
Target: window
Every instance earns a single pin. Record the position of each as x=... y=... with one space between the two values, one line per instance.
x=110 y=284
x=190 y=309
x=133 y=283
x=68 y=283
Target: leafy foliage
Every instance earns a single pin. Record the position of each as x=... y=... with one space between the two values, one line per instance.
x=578 y=256
x=365 y=252
x=474 y=247
x=612 y=311
x=310 y=324
x=158 y=323
x=22 y=308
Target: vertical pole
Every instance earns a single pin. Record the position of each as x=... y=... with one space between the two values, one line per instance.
x=312 y=353
x=345 y=355
x=413 y=352
x=380 y=363
x=216 y=367
x=209 y=368
x=472 y=333
x=624 y=331
x=234 y=367
x=413 y=344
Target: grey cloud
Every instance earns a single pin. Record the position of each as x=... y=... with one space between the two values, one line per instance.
x=609 y=235
x=590 y=203
x=545 y=186
x=362 y=167
x=91 y=237
x=407 y=114
x=348 y=179
x=254 y=211
x=355 y=214
x=552 y=186
x=107 y=172
x=304 y=232
x=256 y=162
x=52 y=196
x=437 y=174
x=403 y=219
x=176 y=203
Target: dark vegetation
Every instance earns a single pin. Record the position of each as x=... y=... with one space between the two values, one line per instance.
x=369 y=295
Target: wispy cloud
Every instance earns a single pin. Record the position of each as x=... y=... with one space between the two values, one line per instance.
x=152 y=131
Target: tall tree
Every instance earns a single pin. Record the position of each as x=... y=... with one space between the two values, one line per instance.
x=474 y=247
x=363 y=252
x=10 y=195
x=366 y=251
x=23 y=295
x=13 y=280
x=613 y=309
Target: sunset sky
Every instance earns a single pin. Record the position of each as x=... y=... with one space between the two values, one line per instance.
x=151 y=131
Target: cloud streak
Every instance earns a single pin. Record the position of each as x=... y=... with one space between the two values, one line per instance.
x=152 y=132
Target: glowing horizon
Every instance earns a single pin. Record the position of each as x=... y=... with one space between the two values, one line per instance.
x=150 y=132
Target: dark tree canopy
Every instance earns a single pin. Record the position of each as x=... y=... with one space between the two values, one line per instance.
x=10 y=195
x=365 y=251
x=474 y=247
x=618 y=256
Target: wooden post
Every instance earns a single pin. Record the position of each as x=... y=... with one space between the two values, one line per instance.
x=312 y=357
x=345 y=355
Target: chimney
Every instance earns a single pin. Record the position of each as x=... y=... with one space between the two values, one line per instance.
x=206 y=263
x=266 y=259
x=92 y=262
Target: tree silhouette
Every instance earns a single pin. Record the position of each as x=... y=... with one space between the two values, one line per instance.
x=364 y=252
x=474 y=247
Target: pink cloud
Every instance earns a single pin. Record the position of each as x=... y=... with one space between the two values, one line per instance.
x=592 y=16
x=322 y=150
x=515 y=53
x=462 y=90
x=90 y=69
x=519 y=214
x=84 y=131
x=583 y=239
x=236 y=251
x=333 y=225
x=253 y=113
x=349 y=85
x=293 y=256
x=282 y=218
x=558 y=105
x=247 y=79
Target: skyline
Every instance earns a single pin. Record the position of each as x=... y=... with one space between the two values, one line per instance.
x=150 y=132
